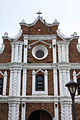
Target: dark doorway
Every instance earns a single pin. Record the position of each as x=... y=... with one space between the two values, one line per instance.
x=40 y=115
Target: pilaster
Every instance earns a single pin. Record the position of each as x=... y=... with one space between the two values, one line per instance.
x=25 y=49
x=5 y=83
x=46 y=81
x=16 y=52
x=54 y=50
x=24 y=82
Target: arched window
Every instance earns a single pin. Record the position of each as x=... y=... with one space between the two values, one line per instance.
x=1 y=85
x=39 y=82
x=78 y=86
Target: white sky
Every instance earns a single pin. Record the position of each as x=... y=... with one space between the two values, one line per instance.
x=67 y=12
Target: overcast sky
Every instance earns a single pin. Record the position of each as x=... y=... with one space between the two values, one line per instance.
x=67 y=12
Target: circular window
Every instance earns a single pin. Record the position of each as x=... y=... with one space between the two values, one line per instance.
x=39 y=52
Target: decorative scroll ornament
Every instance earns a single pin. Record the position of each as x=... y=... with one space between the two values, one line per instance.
x=2 y=48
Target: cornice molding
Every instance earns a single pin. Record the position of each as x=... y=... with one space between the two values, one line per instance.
x=31 y=66
x=40 y=37
x=38 y=99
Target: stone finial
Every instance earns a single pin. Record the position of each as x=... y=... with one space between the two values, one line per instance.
x=74 y=34
x=55 y=21
x=23 y=21
x=5 y=34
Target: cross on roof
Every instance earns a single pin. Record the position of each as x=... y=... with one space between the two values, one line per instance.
x=39 y=13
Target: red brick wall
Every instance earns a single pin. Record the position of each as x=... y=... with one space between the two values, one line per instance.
x=74 y=55
x=3 y=111
x=5 y=57
x=77 y=107
x=43 y=29
x=30 y=107
x=50 y=82
x=48 y=59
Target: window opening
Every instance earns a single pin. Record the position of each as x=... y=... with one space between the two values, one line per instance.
x=40 y=83
x=78 y=86
x=39 y=53
x=1 y=85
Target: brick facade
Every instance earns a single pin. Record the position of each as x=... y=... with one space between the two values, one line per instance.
x=21 y=98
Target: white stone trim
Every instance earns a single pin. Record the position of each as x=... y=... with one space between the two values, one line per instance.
x=56 y=111
x=19 y=83
x=23 y=113
x=24 y=82
x=45 y=92
x=14 y=83
x=20 y=53
x=13 y=54
x=59 y=53
x=13 y=38
x=25 y=49
x=63 y=53
x=55 y=82
x=54 y=50
x=40 y=37
x=16 y=53
x=2 y=48
x=42 y=20
x=10 y=83
x=5 y=83
x=66 y=111
x=41 y=42
x=67 y=53
x=63 y=37
x=40 y=47
x=61 y=83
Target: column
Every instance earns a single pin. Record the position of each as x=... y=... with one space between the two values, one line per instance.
x=63 y=53
x=56 y=116
x=54 y=50
x=25 y=49
x=20 y=53
x=11 y=80
x=12 y=55
x=66 y=112
x=33 y=81
x=24 y=82
x=59 y=53
x=55 y=82
x=23 y=114
x=16 y=52
x=46 y=81
x=67 y=54
x=75 y=79
x=61 y=83
x=14 y=87
x=13 y=113
x=5 y=83
x=19 y=82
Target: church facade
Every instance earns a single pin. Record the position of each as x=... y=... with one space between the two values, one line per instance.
x=35 y=65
